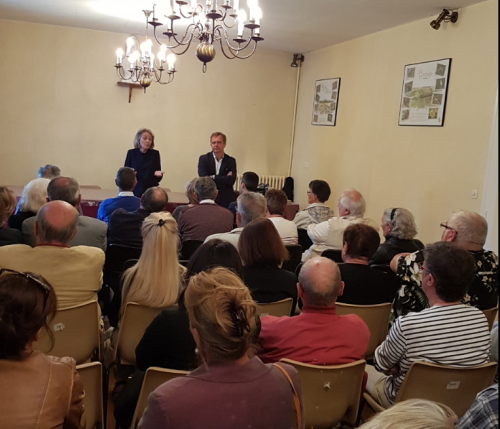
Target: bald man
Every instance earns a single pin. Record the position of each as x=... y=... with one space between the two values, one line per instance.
x=328 y=235
x=318 y=335
x=75 y=273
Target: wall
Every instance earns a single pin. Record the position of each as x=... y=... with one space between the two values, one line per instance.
x=430 y=171
x=60 y=104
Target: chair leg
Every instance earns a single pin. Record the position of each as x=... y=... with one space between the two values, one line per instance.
x=107 y=374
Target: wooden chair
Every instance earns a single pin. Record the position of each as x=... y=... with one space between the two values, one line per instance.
x=188 y=247
x=304 y=239
x=278 y=308
x=376 y=318
x=330 y=394
x=334 y=255
x=491 y=314
x=455 y=387
x=91 y=376
x=76 y=333
x=154 y=378
x=90 y=187
x=295 y=253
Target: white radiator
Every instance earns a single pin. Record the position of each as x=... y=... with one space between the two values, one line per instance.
x=274 y=182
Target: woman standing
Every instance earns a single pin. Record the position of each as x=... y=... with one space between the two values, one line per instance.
x=145 y=160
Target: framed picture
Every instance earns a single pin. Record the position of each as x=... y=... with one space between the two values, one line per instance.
x=423 y=98
x=325 y=102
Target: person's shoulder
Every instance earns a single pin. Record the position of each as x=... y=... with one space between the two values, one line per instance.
x=15 y=248
x=65 y=363
x=91 y=222
x=89 y=252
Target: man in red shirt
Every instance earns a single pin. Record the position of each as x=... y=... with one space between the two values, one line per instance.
x=318 y=335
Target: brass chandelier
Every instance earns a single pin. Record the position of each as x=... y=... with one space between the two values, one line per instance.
x=209 y=26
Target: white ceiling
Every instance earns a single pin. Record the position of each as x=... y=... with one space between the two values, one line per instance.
x=294 y=26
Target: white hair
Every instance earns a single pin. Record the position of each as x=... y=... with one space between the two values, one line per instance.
x=471 y=227
x=402 y=223
x=34 y=195
x=250 y=206
x=355 y=207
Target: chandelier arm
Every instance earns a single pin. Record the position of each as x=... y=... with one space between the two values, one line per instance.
x=182 y=42
x=236 y=55
x=232 y=48
x=185 y=50
x=184 y=16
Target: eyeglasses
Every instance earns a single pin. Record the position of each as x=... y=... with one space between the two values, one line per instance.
x=45 y=288
x=445 y=226
x=421 y=266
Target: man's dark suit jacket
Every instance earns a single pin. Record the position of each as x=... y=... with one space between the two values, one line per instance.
x=206 y=167
x=124 y=228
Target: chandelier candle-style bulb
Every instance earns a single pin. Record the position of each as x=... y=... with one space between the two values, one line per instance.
x=242 y=17
x=236 y=4
x=257 y=15
x=171 y=62
x=130 y=44
x=194 y=3
x=119 y=55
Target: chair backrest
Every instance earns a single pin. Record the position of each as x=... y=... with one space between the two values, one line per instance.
x=491 y=314
x=188 y=247
x=75 y=331
x=135 y=320
x=304 y=239
x=455 y=387
x=154 y=378
x=376 y=318
x=90 y=187
x=117 y=255
x=295 y=253
x=330 y=394
x=334 y=255
x=91 y=376
x=278 y=308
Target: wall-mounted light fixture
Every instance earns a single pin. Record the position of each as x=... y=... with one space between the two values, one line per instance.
x=446 y=16
x=296 y=59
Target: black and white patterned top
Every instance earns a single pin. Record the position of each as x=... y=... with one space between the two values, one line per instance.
x=456 y=335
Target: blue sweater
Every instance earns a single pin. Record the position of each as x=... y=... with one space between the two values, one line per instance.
x=108 y=206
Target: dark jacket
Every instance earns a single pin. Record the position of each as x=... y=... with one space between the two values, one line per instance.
x=393 y=246
x=145 y=165
x=206 y=167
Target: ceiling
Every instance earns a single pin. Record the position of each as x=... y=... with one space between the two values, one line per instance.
x=292 y=26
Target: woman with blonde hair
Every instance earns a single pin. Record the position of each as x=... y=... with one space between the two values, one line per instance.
x=34 y=196
x=155 y=280
x=7 y=207
x=232 y=388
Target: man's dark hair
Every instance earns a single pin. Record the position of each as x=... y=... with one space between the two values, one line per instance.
x=154 y=199
x=321 y=189
x=362 y=240
x=125 y=179
x=276 y=202
x=205 y=188
x=453 y=269
x=64 y=189
x=251 y=181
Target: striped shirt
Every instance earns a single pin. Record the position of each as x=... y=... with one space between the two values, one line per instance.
x=455 y=335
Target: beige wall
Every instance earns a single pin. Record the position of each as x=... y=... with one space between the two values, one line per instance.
x=59 y=104
x=430 y=171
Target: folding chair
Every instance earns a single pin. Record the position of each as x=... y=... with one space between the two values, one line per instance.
x=304 y=239
x=188 y=247
x=491 y=314
x=91 y=376
x=76 y=333
x=278 y=308
x=330 y=394
x=295 y=253
x=334 y=255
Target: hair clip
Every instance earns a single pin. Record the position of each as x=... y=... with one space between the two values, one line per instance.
x=161 y=222
x=239 y=321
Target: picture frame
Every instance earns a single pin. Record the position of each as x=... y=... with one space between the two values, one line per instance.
x=325 y=103
x=424 y=93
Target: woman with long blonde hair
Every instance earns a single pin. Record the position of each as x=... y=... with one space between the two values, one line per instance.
x=155 y=280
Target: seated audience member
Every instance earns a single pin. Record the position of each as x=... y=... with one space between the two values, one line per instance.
x=262 y=253
x=468 y=230
x=124 y=228
x=49 y=171
x=230 y=387
x=248 y=183
x=192 y=199
x=75 y=273
x=364 y=285
x=399 y=229
x=7 y=207
x=276 y=206
x=328 y=235
x=167 y=342
x=38 y=391
x=33 y=197
x=155 y=280
x=447 y=333
x=483 y=414
x=206 y=218
x=251 y=206
x=318 y=335
x=91 y=232
x=414 y=414
x=317 y=211
x=126 y=181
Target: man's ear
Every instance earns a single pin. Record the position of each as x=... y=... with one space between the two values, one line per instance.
x=300 y=291
x=216 y=193
x=116 y=183
x=74 y=233
x=47 y=200
x=79 y=200
x=238 y=220
x=341 y=289
x=267 y=212
x=36 y=228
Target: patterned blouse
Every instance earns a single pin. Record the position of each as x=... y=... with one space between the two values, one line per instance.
x=483 y=293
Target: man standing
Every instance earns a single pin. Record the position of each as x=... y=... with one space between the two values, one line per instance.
x=126 y=181
x=220 y=167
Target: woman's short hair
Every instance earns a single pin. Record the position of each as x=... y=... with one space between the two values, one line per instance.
x=49 y=171
x=7 y=204
x=260 y=245
x=223 y=313
x=413 y=414
x=137 y=138
x=34 y=195
x=362 y=240
x=321 y=189
x=402 y=223
x=276 y=201
x=190 y=192
x=27 y=304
